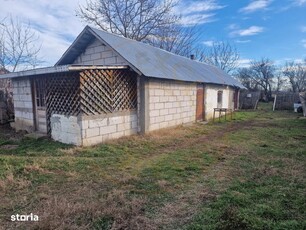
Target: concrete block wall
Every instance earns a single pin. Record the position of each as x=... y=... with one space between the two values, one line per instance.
x=66 y=129
x=23 y=105
x=99 y=54
x=170 y=103
x=211 y=99
x=97 y=129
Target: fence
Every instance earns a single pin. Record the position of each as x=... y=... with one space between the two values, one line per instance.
x=285 y=100
x=248 y=99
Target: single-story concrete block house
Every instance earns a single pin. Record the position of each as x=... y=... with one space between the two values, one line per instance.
x=106 y=86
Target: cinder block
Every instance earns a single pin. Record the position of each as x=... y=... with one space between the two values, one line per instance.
x=168 y=117
x=180 y=98
x=164 y=99
x=134 y=125
x=172 y=98
x=90 y=50
x=121 y=61
x=99 y=49
x=87 y=62
x=154 y=113
x=152 y=120
x=116 y=135
x=154 y=127
x=92 y=140
x=154 y=99
x=159 y=92
x=19 y=104
x=86 y=57
x=133 y=117
x=123 y=127
x=95 y=56
x=187 y=120
x=115 y=120
x=84 y=124
x=164 y=124
x=98 y=62
x=172 y=123
x=163 y=112
x=83 y=133
x=168 y=105
x=110 y=61
x=107 y=54
x=97 y=123
x=130 y=132
x=168 y=92
x=28 y=105
x=159 y=105
x=159 y=119
x=108 y=129
x=92 y=132
x=172 y=111
x=177 y=116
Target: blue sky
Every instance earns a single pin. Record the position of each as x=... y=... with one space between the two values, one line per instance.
x=275 y=29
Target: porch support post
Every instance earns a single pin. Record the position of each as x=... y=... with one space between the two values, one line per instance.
x=143 y=104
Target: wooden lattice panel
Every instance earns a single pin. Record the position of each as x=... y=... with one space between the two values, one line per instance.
x=62 y=95
x=107 y=91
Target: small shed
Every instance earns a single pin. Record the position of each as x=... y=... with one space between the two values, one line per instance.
x=105 y=86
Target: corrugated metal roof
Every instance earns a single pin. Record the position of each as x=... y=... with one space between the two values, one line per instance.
x=57 y=69
x=143 y=58
x=155 y=62
x=38 y=71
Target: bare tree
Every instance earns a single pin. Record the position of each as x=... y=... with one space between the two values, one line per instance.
x=19 y=45
x=280 y=82
x=178 y=40
x=262 y=72
x=259 y=75
x=135 y=19
x=244 y=75
x=223 y=55
x=296 y=74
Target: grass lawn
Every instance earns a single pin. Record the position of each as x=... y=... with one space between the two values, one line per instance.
x=248 y=173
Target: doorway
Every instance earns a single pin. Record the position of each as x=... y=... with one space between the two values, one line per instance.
x=200 y=103
x=39 y=99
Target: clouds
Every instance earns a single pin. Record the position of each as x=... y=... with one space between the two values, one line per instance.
x=196 y=19
x=244 y=63
x=299 y=2
x=303 y=41
x=197 y=12
x=54 y=21
x=208 y=43
x=255 y=6
x=252 y=30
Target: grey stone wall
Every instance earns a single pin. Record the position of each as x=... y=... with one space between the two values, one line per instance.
x=99 y=54
x=23 y=105
x=100 y=128
x=66 y=129
x=171 y=103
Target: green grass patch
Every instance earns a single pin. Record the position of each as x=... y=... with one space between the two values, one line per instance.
x=247 y=173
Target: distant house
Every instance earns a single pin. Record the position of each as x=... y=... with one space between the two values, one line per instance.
x=105 y=86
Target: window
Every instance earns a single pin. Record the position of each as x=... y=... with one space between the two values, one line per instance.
x=219 y=99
